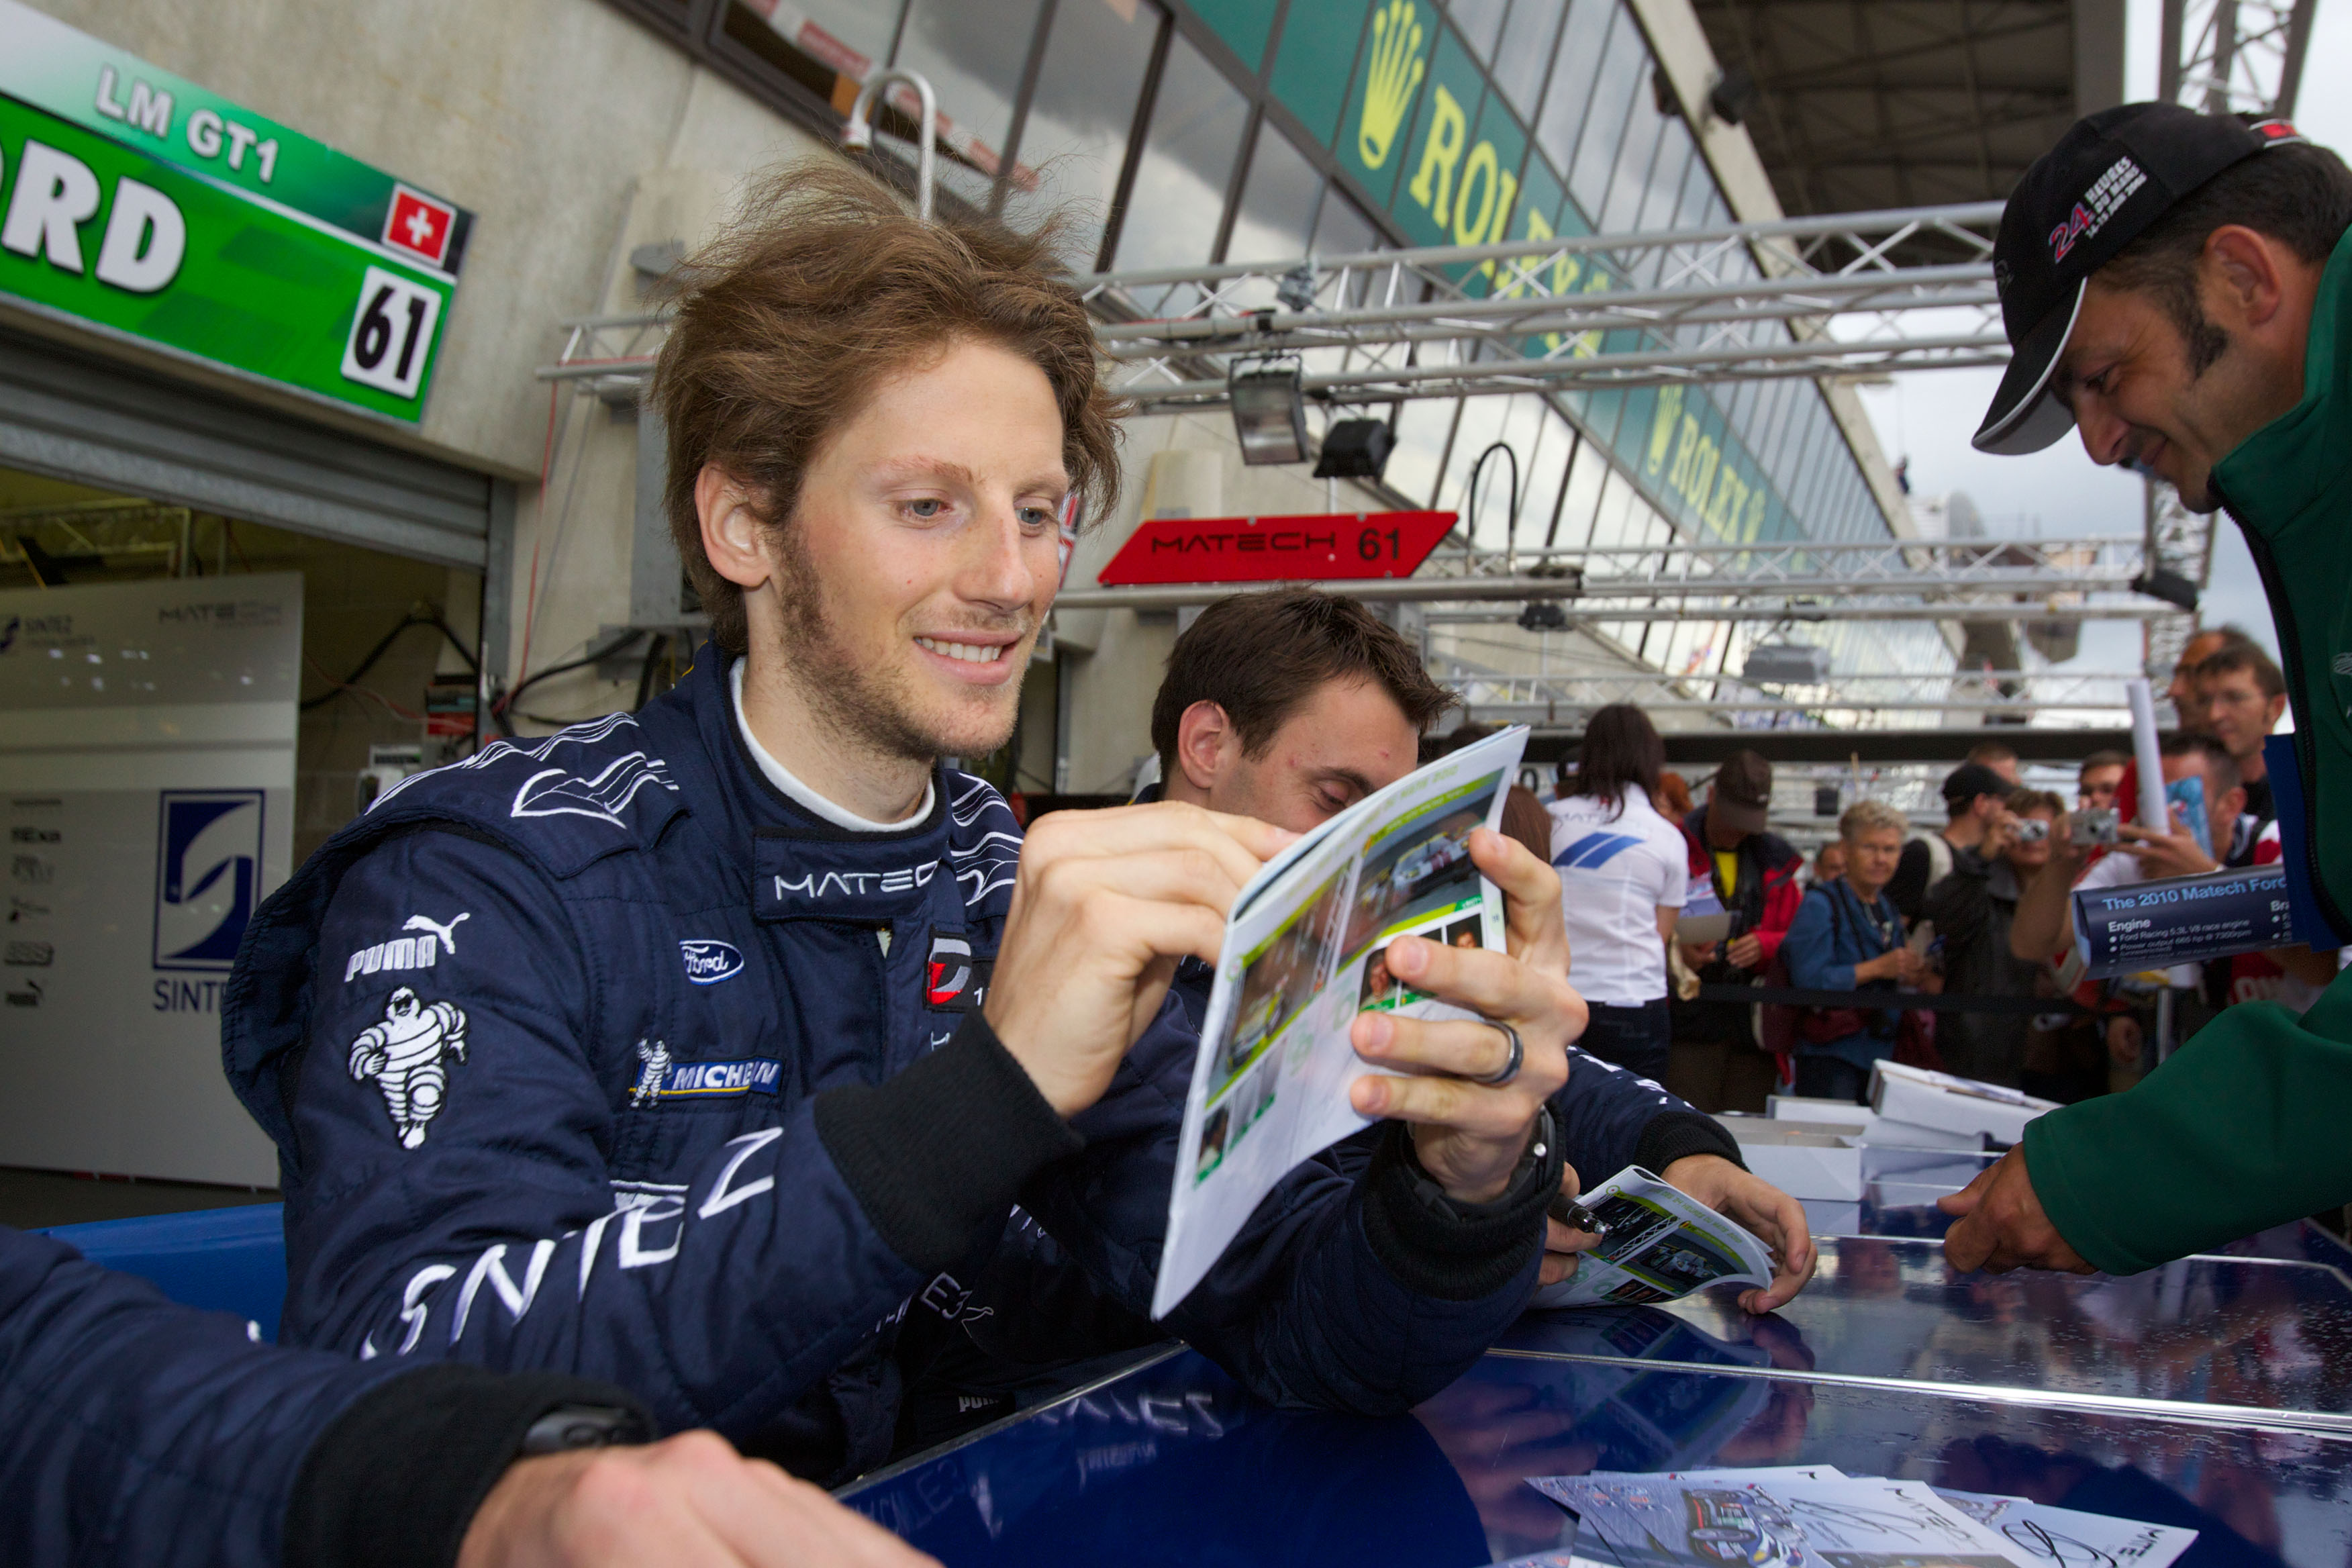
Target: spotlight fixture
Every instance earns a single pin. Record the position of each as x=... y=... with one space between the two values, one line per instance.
x=1788 y=664
x=1269 y=412
x=2172 y=587
x=1543 y=616
x=1354 y=450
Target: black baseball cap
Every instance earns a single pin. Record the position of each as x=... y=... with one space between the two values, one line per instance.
x=1742 y=796
x=2111 y=175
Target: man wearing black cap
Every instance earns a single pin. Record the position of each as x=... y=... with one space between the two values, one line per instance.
x=1754 y=873
x=2178 y=287
x=1978 y=825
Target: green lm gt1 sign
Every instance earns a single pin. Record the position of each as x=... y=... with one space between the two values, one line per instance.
x=137 y=203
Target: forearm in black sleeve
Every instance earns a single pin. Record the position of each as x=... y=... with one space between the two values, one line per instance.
x=396 y=1479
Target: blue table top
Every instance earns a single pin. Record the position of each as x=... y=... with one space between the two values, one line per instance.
x=2213 y=1394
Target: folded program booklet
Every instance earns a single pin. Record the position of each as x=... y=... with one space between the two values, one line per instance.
x=1660 y=1244
x=1304 y=950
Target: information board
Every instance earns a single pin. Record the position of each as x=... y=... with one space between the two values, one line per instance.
x=147 y=794
x=141 y=205
x=1312 y=548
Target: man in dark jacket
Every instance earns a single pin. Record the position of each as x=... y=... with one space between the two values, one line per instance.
x=1972 y=908
x=703 y=1048
x=139 y=1432
x=1753 y=872
x=2199 y=325
x=1290 y=705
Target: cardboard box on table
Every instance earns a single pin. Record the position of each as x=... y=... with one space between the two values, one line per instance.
x=1951 y=1105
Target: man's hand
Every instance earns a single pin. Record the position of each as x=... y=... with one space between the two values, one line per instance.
x=1468 y=1136
x=1561 y=1243
x=690 y=1502
x=1105 y=902
x=2173 y=854
x=1745 y=951
x=2125 y=1042
x=2000 y=834
x=1756 y=1205
x=2001 y=1226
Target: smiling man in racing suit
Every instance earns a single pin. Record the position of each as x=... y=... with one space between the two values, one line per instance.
x=768 y=1017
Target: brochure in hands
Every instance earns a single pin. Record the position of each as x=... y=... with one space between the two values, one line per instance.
x=1660 y=1244
x=1304 y=950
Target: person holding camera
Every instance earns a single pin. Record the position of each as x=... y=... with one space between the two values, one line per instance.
x=1974 y=797
x=1849 y=936
x=1972 y=910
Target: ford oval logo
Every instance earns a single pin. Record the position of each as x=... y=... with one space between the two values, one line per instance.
x=709 y=963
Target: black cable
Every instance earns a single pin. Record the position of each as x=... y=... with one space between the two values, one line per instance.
x=1470 y=502
x=506 y=703
x=430 y=618
x=653 y=651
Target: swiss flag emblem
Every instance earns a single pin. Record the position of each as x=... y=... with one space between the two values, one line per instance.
x=419 y=225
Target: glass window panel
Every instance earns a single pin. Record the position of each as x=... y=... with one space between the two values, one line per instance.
x=1547 y=469
x=1525 y=50
x=1581 y=498
x=1665 y=189
x=1636 y=150
x=1574 y=61
x=1342 y=229
x=1480 y=21
x=1310 y=64
x=850 y=36
x=1698 y=186
x=1276 y=215
x=1481 y=427
x=1423 y=428
x=1188 y=156
x=1242 y=24
x=1623 y=77
x=1610 y=520
x=973 y=51
x=1076 y=136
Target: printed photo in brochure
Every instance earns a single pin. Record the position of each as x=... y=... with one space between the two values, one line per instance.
x=1278 y=980
x=1420 y=866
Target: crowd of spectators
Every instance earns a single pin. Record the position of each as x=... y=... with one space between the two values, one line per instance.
x=1977 y=907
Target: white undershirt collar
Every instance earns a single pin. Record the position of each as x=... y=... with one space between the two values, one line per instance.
x=805 y=797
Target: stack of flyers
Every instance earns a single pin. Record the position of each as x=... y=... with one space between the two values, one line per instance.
x=1305 y=950
x=1815 y=1516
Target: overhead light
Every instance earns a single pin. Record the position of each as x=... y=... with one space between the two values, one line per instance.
x=1269 y=414
x=1788 y=664
x=1543 y=616
x=1354 y=450
x=2164 y=583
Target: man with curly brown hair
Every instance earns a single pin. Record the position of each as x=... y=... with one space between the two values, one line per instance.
x=771 y=1016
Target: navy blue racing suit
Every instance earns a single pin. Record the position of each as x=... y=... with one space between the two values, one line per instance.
x=600 y=1054
x=137 y=1431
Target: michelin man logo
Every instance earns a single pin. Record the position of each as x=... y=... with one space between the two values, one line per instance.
x=404 y=1053
x=655 y=1054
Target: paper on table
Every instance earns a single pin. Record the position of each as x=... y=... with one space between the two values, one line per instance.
x=1662 y=1244
x=1304 y=951
x=1700 y=1521
x=2066 y=1535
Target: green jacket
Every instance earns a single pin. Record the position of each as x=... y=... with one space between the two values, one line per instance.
x=2250 y=1123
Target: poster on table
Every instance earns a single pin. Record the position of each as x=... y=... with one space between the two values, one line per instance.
x=147 y=794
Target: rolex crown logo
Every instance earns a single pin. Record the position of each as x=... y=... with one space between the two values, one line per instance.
x=1394 y=78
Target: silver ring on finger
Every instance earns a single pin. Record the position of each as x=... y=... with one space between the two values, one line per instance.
x=1511 y=1068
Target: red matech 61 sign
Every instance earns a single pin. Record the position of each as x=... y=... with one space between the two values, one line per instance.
x=1318 y=547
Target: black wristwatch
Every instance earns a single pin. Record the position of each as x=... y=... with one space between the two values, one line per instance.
x=570 y=1426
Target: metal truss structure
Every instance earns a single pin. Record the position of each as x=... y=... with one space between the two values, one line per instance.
x=1744 y=302
x=1564 y=702
x=2036 y=580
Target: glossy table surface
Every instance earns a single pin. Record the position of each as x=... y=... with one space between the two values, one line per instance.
x=2214 y=1393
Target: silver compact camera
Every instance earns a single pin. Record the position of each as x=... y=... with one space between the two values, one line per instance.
x=2092 y=827
x=2033 y=830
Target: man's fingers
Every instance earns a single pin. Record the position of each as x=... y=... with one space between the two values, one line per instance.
x=1558 y=1238
x=1448 y=1102
x=1242 y=843
x=1185 y=874
x=1965 y=1201
x=1493 y=984
x=1557 y=1266
x=1463 y=1047
x=1531 y=910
